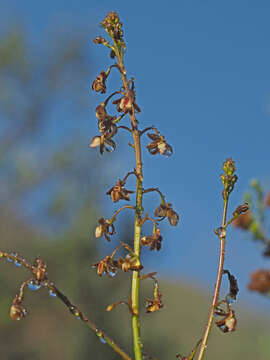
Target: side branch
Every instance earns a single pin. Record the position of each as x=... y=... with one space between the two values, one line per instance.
x=72 y=308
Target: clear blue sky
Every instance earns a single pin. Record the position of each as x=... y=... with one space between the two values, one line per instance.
x=203 y=78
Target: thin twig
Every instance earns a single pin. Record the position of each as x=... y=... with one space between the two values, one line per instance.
x=218 y=282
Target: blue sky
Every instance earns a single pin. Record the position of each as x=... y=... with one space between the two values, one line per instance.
x=202 y=78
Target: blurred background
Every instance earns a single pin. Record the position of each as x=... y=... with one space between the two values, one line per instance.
x=202 y=78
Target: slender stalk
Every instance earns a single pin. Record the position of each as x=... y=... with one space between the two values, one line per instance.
x=135 y=286
x=218 y=282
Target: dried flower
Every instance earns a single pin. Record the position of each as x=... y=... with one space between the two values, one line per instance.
x=228 y=323
x=260 y=281
x=104 y=143
x=126 y=103
x=156 y=303
x=241 y=209
x=153 y=240
x=99 y=84
x=165 y=210
x=39 y=269
x=159 y=145
x=107 y=266
x=17 y=312
x=100 y=40
x=104 y=228
x=118 y=192
x=233 y=285
x=130 y=262
x=243 y=221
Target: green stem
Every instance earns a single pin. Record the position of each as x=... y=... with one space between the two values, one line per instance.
x=218 y=282
x=135 y=286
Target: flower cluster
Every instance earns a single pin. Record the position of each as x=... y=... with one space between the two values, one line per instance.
x=109 y=265
x=228 y=178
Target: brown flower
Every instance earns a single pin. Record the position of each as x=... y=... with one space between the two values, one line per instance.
x=107 y=266
x=158 y=145
x=103 y=143
x=100 y=40
x=99 y=84
x=153 y=240
x=107 y=129
x=165 y=210
x=126 y=103
x=260 y=281
x=118 y=192
x=156 y=303
x=17 y=312
x=39 y=269
x=241 y=209
x=130 y=262
x=243 y=221
x=105 y=228
x=228 y=322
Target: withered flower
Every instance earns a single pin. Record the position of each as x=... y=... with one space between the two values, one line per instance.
x=126 y=103
x=105 y=228
x=228 y=322
x=17 y=312
x=107 y=266
x=130 y=262
x=241 y=209
x=165 y=210
x=153 y=240
x=118 y=192
x=100 y=40
x=39 y=269
x=159 y=145
x=107 y=128
x=156 y=303
x=103 y=142
x=260 y=281
x=243 y=221
x=233 y=284
x=99 y=84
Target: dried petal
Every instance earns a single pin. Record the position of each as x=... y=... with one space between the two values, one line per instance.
x=95 y=142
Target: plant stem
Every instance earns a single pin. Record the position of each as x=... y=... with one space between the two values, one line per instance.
x=222 y=238
x=135 y=286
